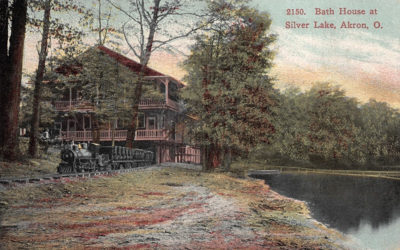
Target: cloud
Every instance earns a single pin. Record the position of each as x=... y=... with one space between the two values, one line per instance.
x=367 y=65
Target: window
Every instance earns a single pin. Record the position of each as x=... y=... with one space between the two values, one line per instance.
x=162 y=88
x=173 y=91
x=86 y=122
x=71 y=125
x=141 y=121
x=151 y=122
x=162 y=123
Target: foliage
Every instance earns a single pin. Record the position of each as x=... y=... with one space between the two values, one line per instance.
x=379 y=139
x=228 y=86
x=47 y=111
x=62 y=29
x=325 y=127
x=108 y=84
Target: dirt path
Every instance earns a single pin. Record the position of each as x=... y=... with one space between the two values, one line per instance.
x=164 y=208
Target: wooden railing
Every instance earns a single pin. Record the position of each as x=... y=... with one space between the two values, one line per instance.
x=120 y=135
x=155 y=134
x=70 y=105
x=173 y=104
x=143 y=104
x=105 y=135
x=188 y=154
x=150 y=103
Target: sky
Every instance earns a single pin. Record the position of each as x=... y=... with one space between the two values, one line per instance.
x=365 y=62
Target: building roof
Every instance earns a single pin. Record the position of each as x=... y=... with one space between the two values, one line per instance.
x=76 y=68
x=133 y=65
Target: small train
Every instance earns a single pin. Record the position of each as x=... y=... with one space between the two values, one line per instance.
x=94 y=157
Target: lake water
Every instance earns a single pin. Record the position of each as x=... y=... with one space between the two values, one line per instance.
x=365 y=208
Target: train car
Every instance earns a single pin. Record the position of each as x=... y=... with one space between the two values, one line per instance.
x=94 y=157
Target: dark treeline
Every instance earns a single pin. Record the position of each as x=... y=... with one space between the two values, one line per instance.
x=322 y=127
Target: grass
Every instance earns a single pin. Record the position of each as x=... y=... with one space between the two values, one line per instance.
x=26 y=166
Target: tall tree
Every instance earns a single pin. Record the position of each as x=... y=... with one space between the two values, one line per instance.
x=11 y=62
x=34 y=135
x=331 y=125
x=59 y=30
x=379 y=139
x=291 y=124
x=149 y=22
x=228 y=86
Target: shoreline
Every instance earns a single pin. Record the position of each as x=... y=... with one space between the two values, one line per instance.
x=387 y=174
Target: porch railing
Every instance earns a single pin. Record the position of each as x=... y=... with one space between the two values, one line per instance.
x=154 y=134
x=119 y=135
x=70 y=105
x=105 y=135
x=151 y=103
x=143 y=104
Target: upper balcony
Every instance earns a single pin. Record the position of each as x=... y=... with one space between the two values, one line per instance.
x=159 y=104
x=66 y=106
x=145 y=104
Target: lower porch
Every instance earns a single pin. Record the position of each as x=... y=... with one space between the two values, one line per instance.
x=121 y=135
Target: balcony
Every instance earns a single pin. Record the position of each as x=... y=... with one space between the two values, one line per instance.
x=151 y=135
x=73 y=105
x=158 y=104
x=120 y=135
x=65 y=106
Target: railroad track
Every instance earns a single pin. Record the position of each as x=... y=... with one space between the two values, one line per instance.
x=49 y=178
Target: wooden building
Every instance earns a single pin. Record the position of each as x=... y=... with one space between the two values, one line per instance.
x=160 y=121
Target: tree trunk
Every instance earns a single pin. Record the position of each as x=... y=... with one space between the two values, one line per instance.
x=99 y=20
x=34 y=136
x=215 y=155
x=227 y=158
x=130 y=137
x=144 y=60
x=95 y=128
x=203 y=155
x=211 y=157
x=4 y=10
x=13 y=88
x=113 y=132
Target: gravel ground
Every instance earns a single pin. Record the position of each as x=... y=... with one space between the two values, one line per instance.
x=159 y=208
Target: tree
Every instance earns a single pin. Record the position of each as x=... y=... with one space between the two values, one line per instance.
x=379 y=139
x=60 y=31
x=107 y=33
x=107 y=85
x=289 y=142
x=34 y=135
x=228 y=86
x=149 y=22
x=10 y=79
x=332 y=129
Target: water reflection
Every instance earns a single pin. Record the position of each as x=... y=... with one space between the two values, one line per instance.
x=367 y=208
x=385 y=237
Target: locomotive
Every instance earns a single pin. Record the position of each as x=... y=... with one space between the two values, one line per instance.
x=94 y=157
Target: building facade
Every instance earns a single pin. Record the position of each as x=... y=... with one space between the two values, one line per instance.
x=160 y=124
